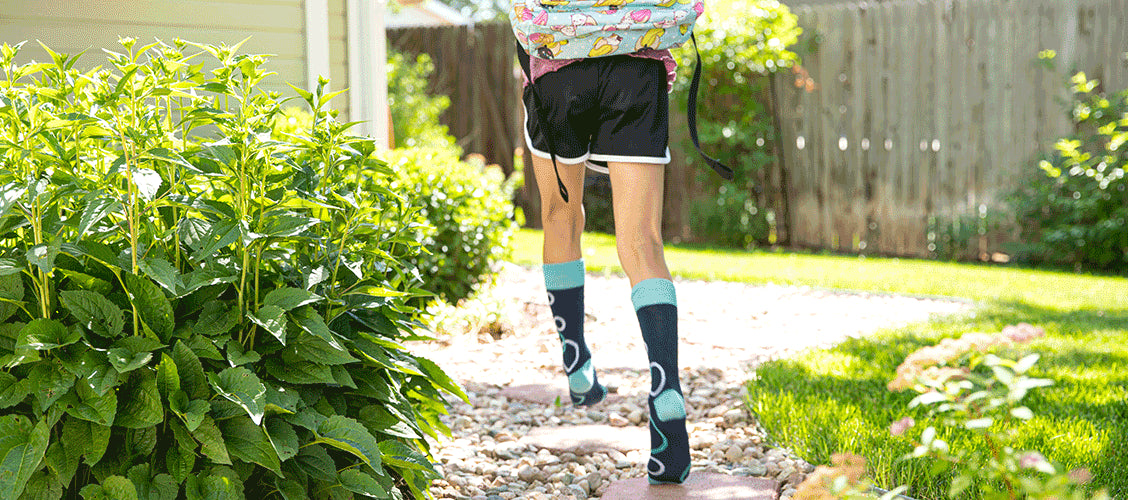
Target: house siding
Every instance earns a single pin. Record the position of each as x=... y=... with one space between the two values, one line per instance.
x=275 y=27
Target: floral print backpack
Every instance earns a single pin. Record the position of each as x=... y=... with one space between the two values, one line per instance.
x=576 y=29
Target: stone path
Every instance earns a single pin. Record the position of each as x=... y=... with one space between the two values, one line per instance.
x=513 y=440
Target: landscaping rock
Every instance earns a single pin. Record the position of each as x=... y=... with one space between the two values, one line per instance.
x=512 y=441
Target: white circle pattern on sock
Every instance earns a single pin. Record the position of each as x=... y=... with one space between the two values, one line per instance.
x=575 y=359
x=560 y=324
x=661 y=467
x=551 y=299
x=656 y=392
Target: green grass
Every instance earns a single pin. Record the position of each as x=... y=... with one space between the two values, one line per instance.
x=1082 y=421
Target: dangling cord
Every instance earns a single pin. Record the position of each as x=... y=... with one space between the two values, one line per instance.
x=694 y=86
x=524 y=57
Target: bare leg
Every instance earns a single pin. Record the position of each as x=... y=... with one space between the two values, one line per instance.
x=637 y=203
x=564 y=275
x=563 y=222
x=637 y=190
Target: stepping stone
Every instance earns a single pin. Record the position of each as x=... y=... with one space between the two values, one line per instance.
x=588 y=439
x=544 y=393
x=699 y=486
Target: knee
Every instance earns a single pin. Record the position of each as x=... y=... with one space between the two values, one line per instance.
x=638 y=248
x=557 y=214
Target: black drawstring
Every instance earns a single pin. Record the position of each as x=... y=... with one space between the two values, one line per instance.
x=523 y=56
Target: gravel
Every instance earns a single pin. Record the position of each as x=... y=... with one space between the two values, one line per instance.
x=726 y=331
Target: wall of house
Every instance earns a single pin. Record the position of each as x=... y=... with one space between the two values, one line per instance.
x=274 y=26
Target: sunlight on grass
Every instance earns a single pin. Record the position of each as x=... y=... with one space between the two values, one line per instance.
x=823 y=402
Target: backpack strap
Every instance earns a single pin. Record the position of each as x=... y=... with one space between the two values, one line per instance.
x=523 y=56
x=691 y=114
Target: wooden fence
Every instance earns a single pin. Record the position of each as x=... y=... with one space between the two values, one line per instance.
x=924 y=115
x=475 y=68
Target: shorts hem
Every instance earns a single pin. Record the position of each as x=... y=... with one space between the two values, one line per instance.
x=656 y=160
x=545 y=154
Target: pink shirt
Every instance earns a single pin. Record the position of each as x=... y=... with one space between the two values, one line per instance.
x=543 y=66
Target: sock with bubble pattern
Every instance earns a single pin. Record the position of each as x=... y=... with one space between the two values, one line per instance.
x=656 y=306
x=565 y=285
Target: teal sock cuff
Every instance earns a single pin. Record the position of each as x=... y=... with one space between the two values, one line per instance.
x=653 y=291
x=564 y=275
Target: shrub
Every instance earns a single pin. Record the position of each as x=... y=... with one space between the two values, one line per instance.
x=415 y=113
x=1073 y=210
x=738 y=56
x=468 y=216
x=190 y=308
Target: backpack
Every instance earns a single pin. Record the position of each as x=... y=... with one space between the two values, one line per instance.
x=576 y=29
x=581 y=29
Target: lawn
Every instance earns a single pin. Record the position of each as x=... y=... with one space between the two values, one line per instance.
x=1082 y=421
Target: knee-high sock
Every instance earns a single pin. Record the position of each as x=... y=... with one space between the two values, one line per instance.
x=656 y=306
x=565 y=285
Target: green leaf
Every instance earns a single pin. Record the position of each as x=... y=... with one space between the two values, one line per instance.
x=96 y=372
x=291 y=489
x=290 y=298
x=87 y=282
x=400 y=455
x=9 y=195
x=96 y=208
x=88 y=405
x=359 y=482
x=287 y=225
x=12 y=390
x=314 y=350
x=311 y=322
x=349 y=435
x=112 y=488
x=11 y=291
x=168 y=380
x=242 y=387
x=284 y=438
x=153 y=487
x=94 y=311
x=179 y=463
x=222 y=484
x=272 y=319
x=49 y=382
x=216 y=319
x=151 y=303
x=43 y=255
x=141 y=403
x=341 y=375
x=192 y=412
x=300 y=373
x=131 y=353
x=211 y=441
x=22 y=447
x=163 y=273
x=82 y=442
x=440 y=378
x=46 y=334
x=219 y=235
x=60 y=462
x=43 y=485
x=280 y=399
x=236 y=356
x=248 y=442
x=191 y=371
x=315 y=461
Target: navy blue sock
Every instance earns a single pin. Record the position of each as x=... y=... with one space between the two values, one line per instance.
x=565 y=285
x=656 y=306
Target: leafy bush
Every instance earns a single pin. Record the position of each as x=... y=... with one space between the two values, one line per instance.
x=1074 y=209
x=468 y=216
x=738 y=55
x=415 y=113
x=196 y=317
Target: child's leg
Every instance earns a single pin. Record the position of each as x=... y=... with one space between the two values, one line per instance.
x=637 y=202
x=564 y=275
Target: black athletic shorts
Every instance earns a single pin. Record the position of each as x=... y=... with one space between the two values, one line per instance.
x=602 y=109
